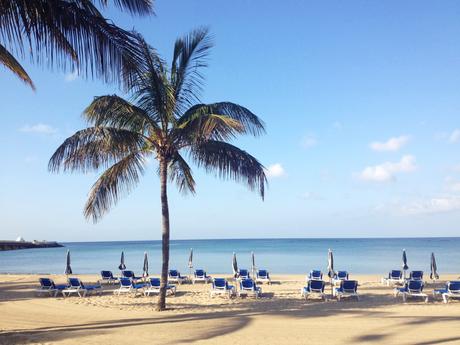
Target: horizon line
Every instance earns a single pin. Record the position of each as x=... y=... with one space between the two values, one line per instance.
x=269 y=238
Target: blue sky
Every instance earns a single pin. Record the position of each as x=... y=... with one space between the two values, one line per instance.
x=361 y=104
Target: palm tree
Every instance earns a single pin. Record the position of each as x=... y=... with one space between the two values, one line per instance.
x=69 y=34
x=164 y=120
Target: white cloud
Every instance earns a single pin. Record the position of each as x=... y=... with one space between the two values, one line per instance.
x=454 y=137
x=452 y=185
x=392 y=144
x=30 y=159
x=308 y=141
x=432 y=205
x=69 y=77
x=40 y=128
x=312 y=196
x=386 y=172
x=275 y=170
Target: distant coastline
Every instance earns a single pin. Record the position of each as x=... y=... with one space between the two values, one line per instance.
x=16 y=245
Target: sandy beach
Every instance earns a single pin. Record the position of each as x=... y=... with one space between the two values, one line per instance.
x=279 y=317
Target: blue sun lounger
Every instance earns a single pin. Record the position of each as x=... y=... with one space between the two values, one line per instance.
x=263 y=276
x=412 y=288
x=174 y=276
x=107 y=278
x=348 y=288
x=130 y=275
x=220 y=286
x=339 y=276
x=394 y=277
x=452 y=290
x=200 y=276
x=47 y=286
x=77 y=287
x=243 y=274
x=416 y=275
x=128 y=285
x=315 y=275
x=248 y=286
x=154 y=287
x=314 y=288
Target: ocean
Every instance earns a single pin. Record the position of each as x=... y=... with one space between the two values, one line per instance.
x=294 y=256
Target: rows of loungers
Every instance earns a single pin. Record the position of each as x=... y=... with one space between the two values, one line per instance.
x=412 y=287
x=73 y=286
x=342 y=286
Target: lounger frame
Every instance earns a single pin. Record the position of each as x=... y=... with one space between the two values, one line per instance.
x=264 y=278
x=226 y=289
x=246 y=288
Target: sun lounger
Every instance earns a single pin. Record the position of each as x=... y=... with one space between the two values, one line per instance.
x=394 y=277
x=263 y=276
x=248 y=286
x=47 y=286
x=128 y=285
x=348 y=288
x=107 y=278
x=416 y=275
x=314 y=288
x=220 y=286
x=413 y=288
x=339 y=276
x=315 y=275
x=452 y=290
x=154 y=287
x=77 y=287
x=130 y=275
x=175 y=277
x=243 y=274
x=200 y=276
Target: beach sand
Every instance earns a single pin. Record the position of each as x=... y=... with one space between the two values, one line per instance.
x=279 y=317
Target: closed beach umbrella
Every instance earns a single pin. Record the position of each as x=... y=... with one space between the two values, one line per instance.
x=330 y=268
x=235 y=265
x=68 y=269
x=253 y=261
x=434 y=268
x=146 y=265
x=404 y=263
x=190 y=261
x=330 y=264
x=122 y=265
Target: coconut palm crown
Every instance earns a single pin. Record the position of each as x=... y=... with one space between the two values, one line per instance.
x=164 y=120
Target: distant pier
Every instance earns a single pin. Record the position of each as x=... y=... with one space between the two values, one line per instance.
x=13 y=245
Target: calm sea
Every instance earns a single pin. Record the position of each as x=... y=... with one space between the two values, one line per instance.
x=296 y=256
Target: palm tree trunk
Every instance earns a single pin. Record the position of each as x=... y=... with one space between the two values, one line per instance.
x=165 y=234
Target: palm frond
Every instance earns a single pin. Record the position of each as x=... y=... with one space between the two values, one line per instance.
x=70 y=35
x=139 y=7
x=119 y=179
x=9 y=61
x=190 y=56
x=152 y=90
x=181 y=173
x=95 y=147
x=230 y=162
x=114 y=111
x=202 y=127
x=250 y=123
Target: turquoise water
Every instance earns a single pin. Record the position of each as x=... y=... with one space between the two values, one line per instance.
x=296 y=256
